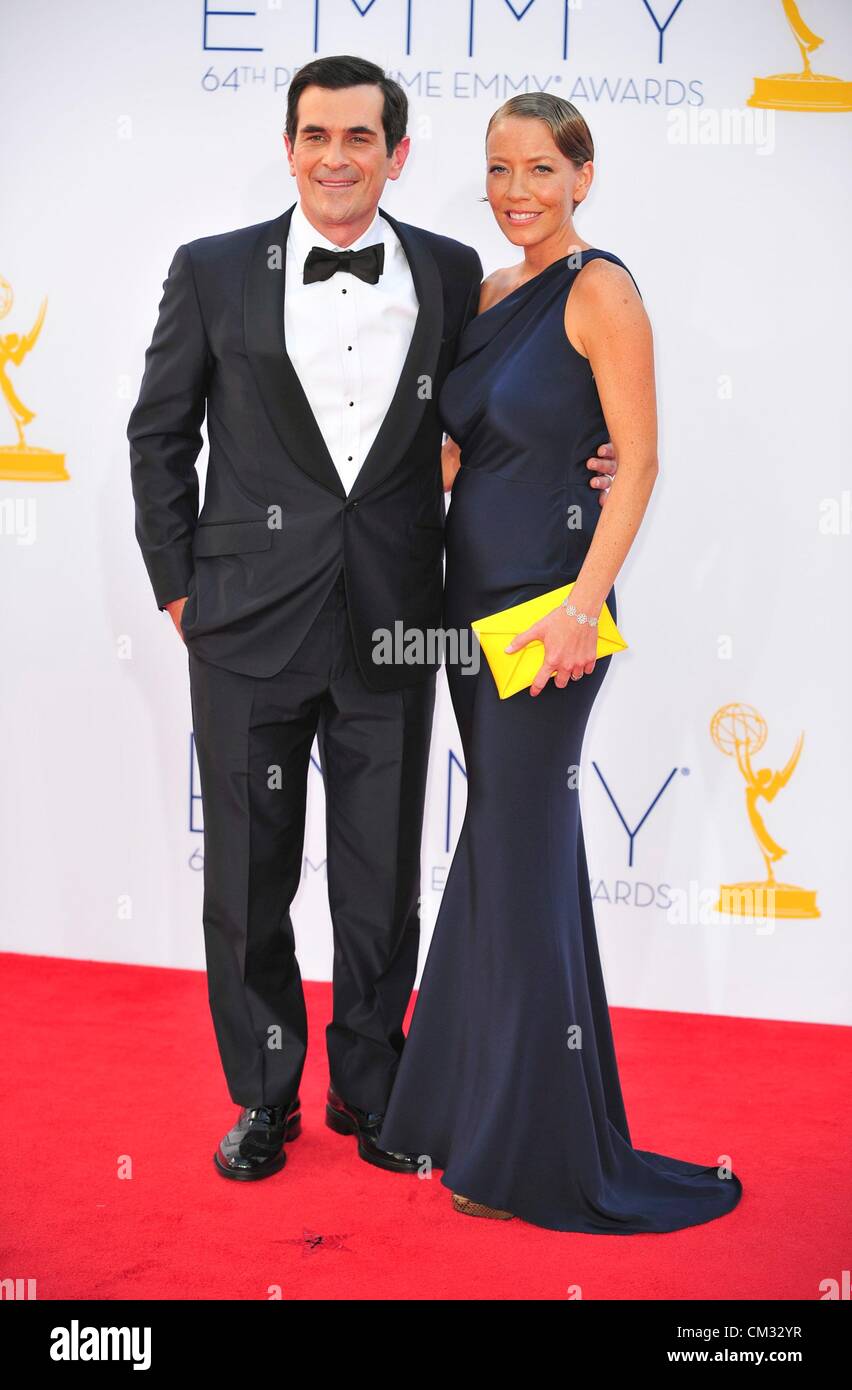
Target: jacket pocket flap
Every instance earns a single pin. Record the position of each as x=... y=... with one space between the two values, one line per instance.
x=231 y=537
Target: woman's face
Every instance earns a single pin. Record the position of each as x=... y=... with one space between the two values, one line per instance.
x=531 y=185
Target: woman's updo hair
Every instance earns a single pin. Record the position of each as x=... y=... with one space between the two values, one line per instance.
x=571 y=135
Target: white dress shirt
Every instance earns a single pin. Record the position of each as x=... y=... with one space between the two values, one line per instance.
x=347 y=339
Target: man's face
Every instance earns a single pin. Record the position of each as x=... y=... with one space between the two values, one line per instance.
x=339 y=158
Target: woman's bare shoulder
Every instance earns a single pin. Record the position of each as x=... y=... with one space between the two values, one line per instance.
x=604 y=284
x=603 y=298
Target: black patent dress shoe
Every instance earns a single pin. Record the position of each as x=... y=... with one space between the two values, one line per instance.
x=254 y=1148
x=348 y=1119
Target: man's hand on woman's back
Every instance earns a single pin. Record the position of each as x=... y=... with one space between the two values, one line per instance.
x=604 y=465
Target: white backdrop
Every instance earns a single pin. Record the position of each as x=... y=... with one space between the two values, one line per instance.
x=129 y=138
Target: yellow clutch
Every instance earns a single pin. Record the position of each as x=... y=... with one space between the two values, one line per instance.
x=514 y=671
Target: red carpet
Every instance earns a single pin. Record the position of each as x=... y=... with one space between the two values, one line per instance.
x=112 y=1065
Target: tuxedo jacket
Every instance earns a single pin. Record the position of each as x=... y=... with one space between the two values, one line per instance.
x=277 y=524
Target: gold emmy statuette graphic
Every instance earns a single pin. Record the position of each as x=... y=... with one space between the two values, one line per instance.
x=23 y=462
x=740 y=732
x=805 y=90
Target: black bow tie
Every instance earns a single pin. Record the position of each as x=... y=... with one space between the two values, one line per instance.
x=367 y=264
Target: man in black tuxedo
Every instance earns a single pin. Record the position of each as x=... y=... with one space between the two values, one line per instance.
x=317 y=343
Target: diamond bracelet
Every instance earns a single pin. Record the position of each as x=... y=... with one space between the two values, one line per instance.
x=581 y=617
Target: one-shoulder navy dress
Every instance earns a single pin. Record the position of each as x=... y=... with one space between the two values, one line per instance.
x=508 y=1077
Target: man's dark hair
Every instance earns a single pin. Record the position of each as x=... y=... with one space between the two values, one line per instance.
x=345 y=71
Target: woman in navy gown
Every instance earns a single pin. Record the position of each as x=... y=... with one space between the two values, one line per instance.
x=508 y=1078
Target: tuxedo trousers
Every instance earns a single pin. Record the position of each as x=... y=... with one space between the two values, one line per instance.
x=253 y=738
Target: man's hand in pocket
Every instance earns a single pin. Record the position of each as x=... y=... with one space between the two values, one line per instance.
x=175 y=612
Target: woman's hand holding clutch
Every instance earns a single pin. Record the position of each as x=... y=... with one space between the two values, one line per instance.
x=570 y=648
